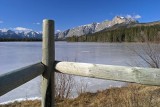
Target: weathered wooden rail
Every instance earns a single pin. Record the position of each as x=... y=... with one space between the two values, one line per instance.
x=48 y=66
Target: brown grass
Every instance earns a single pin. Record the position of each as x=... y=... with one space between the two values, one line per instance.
x=28 y=103
x=132 y=95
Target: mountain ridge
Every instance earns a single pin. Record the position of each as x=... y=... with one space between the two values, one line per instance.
x=11 y=34
x=94 y=27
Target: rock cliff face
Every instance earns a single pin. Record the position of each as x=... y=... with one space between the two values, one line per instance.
x=94 y=27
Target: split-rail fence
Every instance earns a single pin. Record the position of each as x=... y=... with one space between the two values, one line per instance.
x=48 y=66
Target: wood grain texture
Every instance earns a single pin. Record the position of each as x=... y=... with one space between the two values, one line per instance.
x=148 y=76
x=48 y=60
x=14 y=79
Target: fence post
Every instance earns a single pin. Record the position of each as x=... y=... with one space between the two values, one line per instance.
x=48 y=58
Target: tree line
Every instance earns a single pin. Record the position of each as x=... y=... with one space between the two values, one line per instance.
x=122 y=34
x=17 y=39
x=24 y=39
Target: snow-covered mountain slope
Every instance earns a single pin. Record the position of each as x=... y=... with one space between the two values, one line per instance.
x=94 y=27
x=6 y=33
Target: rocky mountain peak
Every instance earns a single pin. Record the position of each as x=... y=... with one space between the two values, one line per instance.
x=94 y=27
x=120 y=19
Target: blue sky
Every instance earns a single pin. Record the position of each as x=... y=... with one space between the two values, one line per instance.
x=28 y=14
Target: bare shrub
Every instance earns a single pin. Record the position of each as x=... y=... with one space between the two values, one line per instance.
x=149 y=53
x=64 y=85
x=81 y=86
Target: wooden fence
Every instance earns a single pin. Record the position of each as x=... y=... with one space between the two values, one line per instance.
x=48 y=66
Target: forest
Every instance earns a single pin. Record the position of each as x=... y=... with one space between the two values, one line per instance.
x=122 y=34
x=20 y=39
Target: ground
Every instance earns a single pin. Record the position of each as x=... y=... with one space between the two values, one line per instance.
x=132 y=95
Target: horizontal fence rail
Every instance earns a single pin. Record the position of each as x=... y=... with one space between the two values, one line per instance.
x=147 y=76
x=14 y=79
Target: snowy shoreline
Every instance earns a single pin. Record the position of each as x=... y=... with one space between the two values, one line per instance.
x=20 y=100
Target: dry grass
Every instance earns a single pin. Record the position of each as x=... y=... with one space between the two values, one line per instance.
x=28 y=103
x=133 y=95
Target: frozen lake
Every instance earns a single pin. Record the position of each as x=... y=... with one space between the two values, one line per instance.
x=14 y=55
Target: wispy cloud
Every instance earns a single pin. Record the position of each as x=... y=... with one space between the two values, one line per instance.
x=22 y=29
x=1 y=21
x=137 y=16
x=37 y=23
x=57 y=31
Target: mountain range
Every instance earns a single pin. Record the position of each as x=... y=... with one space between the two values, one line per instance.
x=116 y=22
x=11 y=34
x=77 y=31
x=94 y=27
